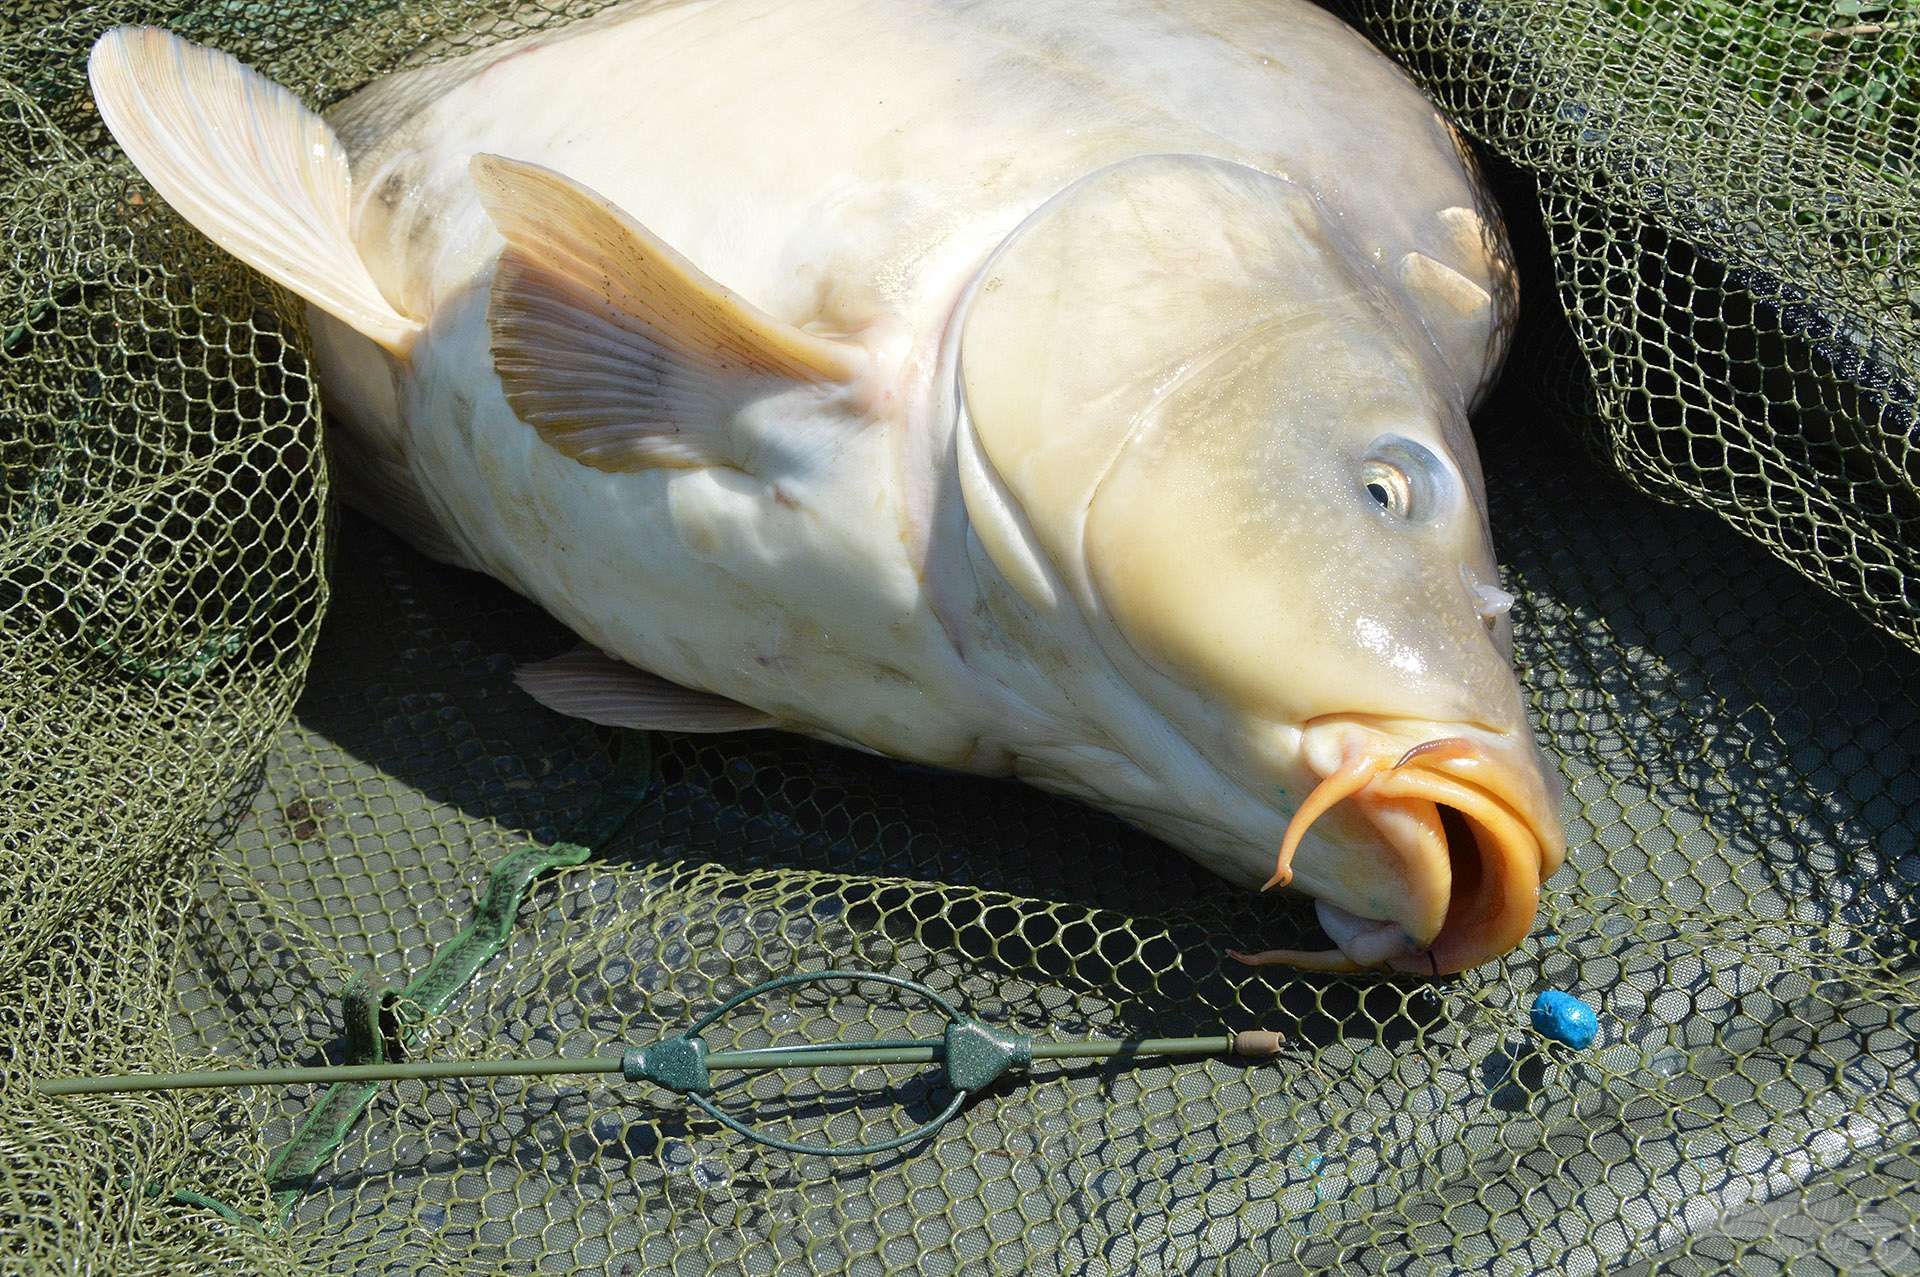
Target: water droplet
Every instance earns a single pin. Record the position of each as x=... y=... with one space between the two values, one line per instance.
x=781 y=1021
x=676 y=1156
x=1669 y=1062
x=709 y=1174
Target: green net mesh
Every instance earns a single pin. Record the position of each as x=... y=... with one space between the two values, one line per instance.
x=223 y=822
x=1730 y=194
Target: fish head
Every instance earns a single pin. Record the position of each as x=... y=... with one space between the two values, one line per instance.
x=1200 y=417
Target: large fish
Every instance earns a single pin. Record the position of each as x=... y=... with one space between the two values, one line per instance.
x=1072 y=391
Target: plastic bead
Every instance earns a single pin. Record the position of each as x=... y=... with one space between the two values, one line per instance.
x=1565 y=1018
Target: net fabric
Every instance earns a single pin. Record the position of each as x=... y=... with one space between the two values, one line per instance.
x=194 y=876
x=1732 y=194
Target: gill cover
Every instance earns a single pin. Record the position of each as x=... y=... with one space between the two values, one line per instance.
x=1175 y=371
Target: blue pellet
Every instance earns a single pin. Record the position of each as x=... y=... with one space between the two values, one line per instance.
x=1565 y=1018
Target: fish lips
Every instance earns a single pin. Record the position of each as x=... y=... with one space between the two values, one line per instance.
x=1437 y=862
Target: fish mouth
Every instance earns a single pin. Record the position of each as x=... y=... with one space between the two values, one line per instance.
x=1466 y=837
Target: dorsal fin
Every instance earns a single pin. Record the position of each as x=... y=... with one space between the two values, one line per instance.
x=247 y=164
x=617 y=349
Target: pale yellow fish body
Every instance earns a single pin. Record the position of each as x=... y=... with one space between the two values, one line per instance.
x=1075 y=498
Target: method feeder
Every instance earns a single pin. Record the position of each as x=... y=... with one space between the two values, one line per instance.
x=972 y=1054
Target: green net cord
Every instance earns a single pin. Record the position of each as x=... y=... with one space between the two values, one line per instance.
x=341 y=1105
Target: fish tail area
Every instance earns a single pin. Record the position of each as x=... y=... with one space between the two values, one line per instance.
x=244 y=161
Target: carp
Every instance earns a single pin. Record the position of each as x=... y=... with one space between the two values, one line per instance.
x=1075 y=391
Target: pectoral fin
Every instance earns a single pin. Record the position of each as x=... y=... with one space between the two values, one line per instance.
x=617 y=349
x=1462 y=317
x=1445 y=289
x=585 y=683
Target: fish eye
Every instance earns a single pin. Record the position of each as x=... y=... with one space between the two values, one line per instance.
x=1388 y=487
x=1405 y=479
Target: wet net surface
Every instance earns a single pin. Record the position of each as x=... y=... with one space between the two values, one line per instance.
x=218 y=816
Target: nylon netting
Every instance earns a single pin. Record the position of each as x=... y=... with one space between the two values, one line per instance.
x=221 y=817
